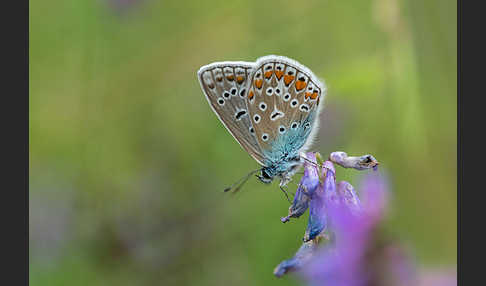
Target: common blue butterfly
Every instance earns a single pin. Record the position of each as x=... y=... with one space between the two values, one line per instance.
x=271 y=108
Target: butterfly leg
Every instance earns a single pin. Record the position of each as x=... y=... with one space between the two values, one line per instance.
x=286 y=194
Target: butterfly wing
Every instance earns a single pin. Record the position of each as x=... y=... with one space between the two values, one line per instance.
x=284 y=101
x=225 y=85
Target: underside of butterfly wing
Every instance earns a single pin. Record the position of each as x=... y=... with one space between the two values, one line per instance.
x=225 y=85
x=284 y=100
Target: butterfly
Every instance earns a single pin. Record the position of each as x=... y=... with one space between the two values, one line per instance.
x=271 y=107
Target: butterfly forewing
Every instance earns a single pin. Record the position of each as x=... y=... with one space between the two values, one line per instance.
x=225 y=85
x=283 y=103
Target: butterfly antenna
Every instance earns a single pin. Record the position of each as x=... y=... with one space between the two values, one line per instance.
x=286 y=194
x=240 y=182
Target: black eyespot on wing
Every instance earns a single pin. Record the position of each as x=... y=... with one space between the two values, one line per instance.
x=233 y=91
x=276 y=114
x=256 y=118
x=226 y=94
x=263 y=106
x=304 y=107
x=242 y=92
x=221 y=101
x=240 y=114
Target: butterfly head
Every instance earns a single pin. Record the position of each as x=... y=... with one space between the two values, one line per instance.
x=284 y=170
x=265 y=176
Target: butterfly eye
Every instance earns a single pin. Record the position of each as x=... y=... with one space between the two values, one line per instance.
x=265 y=175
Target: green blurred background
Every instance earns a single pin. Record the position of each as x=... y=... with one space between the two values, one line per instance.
x=128 y=162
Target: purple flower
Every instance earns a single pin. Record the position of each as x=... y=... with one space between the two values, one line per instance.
x=353 y=224
x=354 y=251
x=317 y=196
x=300 y=259
x=307 y=186
x=324 y=192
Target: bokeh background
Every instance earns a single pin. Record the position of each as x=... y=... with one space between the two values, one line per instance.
x=128 y=162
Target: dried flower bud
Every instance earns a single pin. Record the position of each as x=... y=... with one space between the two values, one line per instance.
x=359 y=163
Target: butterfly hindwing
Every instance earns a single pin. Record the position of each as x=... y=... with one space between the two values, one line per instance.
x=284 y=99
x=225 y=85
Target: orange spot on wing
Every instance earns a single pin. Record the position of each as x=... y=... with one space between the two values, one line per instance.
x=250 y=94
x=230 y=77
x=307 y=95
x=299 y=85
x=288 y=79
x=240 y=79
x=314 y=95
x=268 y=74
x=259 y=83
x=279 y=74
